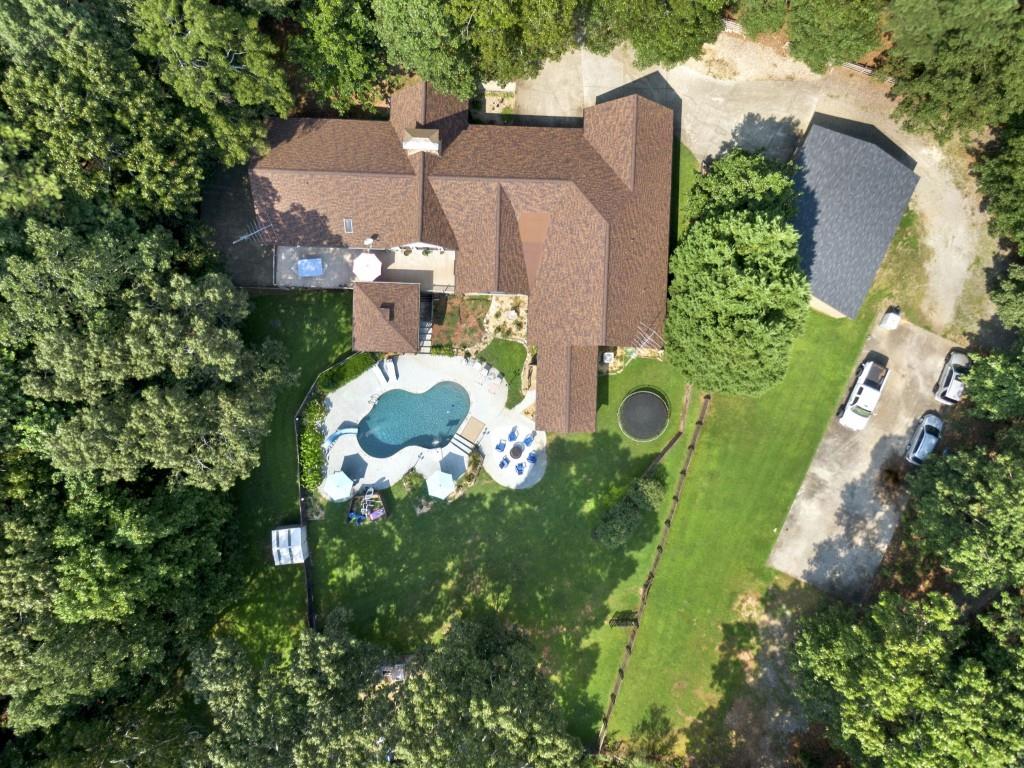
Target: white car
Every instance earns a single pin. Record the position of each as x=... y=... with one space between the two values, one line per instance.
x=950 y=389
x=864 y=397
x=924 y=439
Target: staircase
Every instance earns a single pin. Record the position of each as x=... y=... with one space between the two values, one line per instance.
x=426 y=323
x=460 y=443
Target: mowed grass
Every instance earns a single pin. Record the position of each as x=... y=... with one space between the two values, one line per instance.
x=685 y=170
x=315 y=329
x=751 y=459
x=508 y=357
x=527 y=554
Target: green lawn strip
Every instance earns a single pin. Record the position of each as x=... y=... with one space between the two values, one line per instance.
x=903 y=278
x=685 y=169
x=315 y=329
x=508 y=357
x=750 y=462
x=528 y=553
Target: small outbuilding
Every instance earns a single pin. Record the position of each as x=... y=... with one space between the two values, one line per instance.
x=289 y=545
x=853 y=185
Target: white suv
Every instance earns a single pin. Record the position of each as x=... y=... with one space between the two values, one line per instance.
x=863 y=399
x=950 y=388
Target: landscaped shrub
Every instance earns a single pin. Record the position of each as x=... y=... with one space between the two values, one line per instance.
x=442 y=349
x=311 y=440
x=621 y=520
x=342 y=374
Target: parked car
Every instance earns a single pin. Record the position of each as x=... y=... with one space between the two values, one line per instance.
x=864 y=396
x=950 y=388
x=924 y=439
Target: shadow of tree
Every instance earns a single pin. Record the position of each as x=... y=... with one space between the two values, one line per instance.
x=775 y=137
x=654 y=736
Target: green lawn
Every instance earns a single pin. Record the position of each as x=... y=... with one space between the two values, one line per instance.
x=751 y=459
x=508 y=357
x=315 y=329
x=685 y=170
x=527 y=554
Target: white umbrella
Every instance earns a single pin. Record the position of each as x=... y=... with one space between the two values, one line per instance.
x=440 y=485
x=337 y=487
x=366 y=267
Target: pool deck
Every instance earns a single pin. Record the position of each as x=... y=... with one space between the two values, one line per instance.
x=347 y=406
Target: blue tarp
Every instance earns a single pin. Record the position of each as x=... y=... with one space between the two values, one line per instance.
x=309 y=267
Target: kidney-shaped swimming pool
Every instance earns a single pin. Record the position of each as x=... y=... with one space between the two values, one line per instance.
x=400 y=419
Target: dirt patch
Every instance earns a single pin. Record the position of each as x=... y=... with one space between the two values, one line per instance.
x=460 y=322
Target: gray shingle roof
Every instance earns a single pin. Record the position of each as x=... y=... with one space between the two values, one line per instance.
x=853 y=185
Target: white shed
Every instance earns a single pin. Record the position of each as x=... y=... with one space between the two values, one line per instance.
x=289 y=544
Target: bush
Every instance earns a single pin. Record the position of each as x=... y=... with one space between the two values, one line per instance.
x=620 y=521
x=761 y=16
x=443 y=349
x=824 y=33
x=311 y=441
x=345 y=372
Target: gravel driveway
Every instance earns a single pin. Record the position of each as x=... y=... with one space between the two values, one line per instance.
x=844 y=515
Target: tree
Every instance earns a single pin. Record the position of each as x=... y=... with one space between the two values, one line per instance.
x=621 y=520
x=957 y=65
x=742 y=181
x=1009 y=297
x=420 y=36
x=27 y=181
x=899 y=686
x=736 y=303
x=81 y=99
x=339 y=52
x=823 y=33
x=1001 y=179
x=761 y=16
x=662 y=32
x=995 y=385
x=144 y=363
x=218 y=62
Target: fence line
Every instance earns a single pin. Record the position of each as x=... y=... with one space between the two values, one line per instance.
x=307 y=564
x=649 y=581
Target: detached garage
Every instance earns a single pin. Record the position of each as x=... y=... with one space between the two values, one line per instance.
x=853 y=187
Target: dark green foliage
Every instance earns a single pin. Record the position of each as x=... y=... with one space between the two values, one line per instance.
x=474 y=699
x=969 y=515
x=903 y=684
x=738 y=298
x=1009 y=297
x=823 y=33
x=442 y=349
x=761 y=16
x=339 y=53
x=995 y=386
x=957 y=65
x=342 y=374
x=622 y=519
x=144 y=363
x=218 y=63
x=661 y=31
x=508 y=357
x=311 y=441
x=1001 y=179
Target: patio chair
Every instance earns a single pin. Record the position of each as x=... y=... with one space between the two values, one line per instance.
x=529 y=439
x=503 y=463
x=514 y=434
x=532 y=458
x=520 y=468
x=501 y=446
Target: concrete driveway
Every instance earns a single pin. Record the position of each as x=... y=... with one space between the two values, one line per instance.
x=844 y=515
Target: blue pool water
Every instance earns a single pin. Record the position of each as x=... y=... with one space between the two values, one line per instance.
x=399 y=418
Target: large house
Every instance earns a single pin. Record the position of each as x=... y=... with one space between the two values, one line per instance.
x=575 y=218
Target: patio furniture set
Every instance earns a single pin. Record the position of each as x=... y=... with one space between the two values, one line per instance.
x=516 y=451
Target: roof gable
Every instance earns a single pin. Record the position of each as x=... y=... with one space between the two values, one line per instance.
x=386 y=317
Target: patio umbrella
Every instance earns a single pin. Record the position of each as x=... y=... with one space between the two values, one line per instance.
x=366 y=267
x=337 y=486
x=440 y=485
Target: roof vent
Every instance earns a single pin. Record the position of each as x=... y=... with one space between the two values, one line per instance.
x=387 y=311
x=421 y=140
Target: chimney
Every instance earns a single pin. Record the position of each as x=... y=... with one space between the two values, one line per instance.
x=421 y=140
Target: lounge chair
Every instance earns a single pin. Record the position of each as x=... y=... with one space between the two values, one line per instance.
x=529 y=439
x=520 y=468
x=532 y=458
x=514 y=434
x=501 y=446
x=503 y=463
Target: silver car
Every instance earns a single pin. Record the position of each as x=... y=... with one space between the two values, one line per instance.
x=950 y=388
x=924 y=439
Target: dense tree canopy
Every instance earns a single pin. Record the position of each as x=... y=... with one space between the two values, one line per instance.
x=904 y=685
x=475 y=699
x=761 y=16
x=661 y=31
x=1001 y=179
x=957 y=65
x=823 y=33
x=143 y=364
x=738 y=298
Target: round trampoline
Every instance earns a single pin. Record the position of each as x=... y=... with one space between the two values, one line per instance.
x=643 y=415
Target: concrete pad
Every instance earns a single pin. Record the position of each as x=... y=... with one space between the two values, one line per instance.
x=846 y=511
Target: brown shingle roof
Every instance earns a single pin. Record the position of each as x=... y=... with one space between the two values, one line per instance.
x=386 y=317
x=595 y=271
x=566 y=388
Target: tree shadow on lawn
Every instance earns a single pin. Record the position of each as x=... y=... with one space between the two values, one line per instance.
x=756 y=719
x=527 y=554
